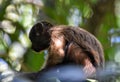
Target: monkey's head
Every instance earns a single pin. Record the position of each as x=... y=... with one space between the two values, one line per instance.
x=40 y=36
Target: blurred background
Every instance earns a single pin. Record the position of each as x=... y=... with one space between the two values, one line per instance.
x=100 y=17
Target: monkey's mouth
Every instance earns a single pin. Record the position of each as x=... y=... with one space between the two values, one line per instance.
x=36 y=49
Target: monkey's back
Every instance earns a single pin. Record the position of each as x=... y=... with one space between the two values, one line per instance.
x=83 y=39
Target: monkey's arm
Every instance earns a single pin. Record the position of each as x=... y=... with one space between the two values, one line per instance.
x=56 y=50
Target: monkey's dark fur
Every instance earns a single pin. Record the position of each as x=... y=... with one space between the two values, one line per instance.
x=67 y=45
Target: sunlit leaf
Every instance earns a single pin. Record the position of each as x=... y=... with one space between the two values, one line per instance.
x=34 y=61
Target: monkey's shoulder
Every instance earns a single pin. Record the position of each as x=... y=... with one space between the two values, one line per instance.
x=69 y=29
x=72 y=32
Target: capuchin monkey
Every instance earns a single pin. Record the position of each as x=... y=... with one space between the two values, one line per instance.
x=67 y=45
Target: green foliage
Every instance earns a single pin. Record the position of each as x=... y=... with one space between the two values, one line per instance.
x=34 y=60
x=16 y=19
x=102 y=18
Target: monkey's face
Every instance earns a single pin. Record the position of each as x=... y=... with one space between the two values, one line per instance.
x=40 y=36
